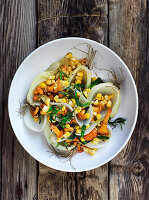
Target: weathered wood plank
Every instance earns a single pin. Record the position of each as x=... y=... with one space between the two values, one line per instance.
x=85 y=18
x=58 y=19
x=128 y=37
x=18 y=39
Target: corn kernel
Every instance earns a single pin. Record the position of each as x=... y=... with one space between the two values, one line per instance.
x=69 y=68
x=106 y=97
x=82 y=139
x=56 y=97
x=76 y=62
x=65 y=78
x=87 y=126
x=94 y=113
x=79 y=64
x=98 y=116
x=67 y=134
x=70 y=103
x=47 y=102
x=78 y=93
x=43 y=85
x=63 y=108
x=48 y=82
x=78 y=131
x=94 y=78
x=73 y=66
x=77 y=110
x=96 y=102
x=80 y=74
x=69 y=55
x=73 y=59
x=105 y=101
x=62 y=100
x=45 y=109
x=87 y=115
x=111 y=96
x=77 y=127
x=109 y=104
x=86 y=149
x=78 y=78
x=74 y=101
x=52 y=77
x=71 y=63
x=85 y=93
x=36 y=119
x=67 y=125
x=53 y=81
x=99 y=96
x=88 y=90
x=78 y=81
x=102 y=103
x=92 y=152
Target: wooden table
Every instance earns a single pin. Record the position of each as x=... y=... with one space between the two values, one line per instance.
x=121 y=25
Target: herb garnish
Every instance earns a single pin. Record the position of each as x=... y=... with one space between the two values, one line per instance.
x=96 y=82
x=53 y=111
x=39 y=118
x=83 y=128
x=119 y=121
x=102 y=137
x=65 y=119
x=73 y=136
x=62 y=143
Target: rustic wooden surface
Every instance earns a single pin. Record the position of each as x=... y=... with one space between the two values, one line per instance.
x=121 y=25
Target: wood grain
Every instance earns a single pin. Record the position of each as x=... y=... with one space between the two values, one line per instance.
x=128 y=37
x=63 y=19
x=18 y=39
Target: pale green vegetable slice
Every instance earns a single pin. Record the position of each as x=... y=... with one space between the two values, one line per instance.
x=102 y=143
x=54 y=67
x=52 y=139
x=86 y=75
x=107 y=89
x=31 y=124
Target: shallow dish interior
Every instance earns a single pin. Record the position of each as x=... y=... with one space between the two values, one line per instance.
x=35 y=143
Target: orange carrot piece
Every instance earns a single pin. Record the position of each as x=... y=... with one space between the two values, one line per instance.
x=81 y=115
x=36 y=92
x=103 y=128
x=79 y=148
x=91 y=135
x=57 y=131
x=35 y=97
x=73 y=121
x=50 y=88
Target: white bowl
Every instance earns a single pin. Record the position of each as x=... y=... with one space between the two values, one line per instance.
x=35 y=143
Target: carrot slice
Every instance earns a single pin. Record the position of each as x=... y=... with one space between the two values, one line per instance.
x=91 y=135
x=103 y=128
x=56 y=131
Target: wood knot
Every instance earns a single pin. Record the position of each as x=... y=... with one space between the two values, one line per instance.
x=138 y=168
x=19 y=192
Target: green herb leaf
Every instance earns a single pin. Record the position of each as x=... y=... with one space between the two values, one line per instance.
x=63 y=143
x=65 y=119
x=73 y=136
x=83 y=104
x=119 y=121
x=102 y=137
x=83 y=128
x=50 y=109
x=96 y=82
x=85 y=142
x=39 y=118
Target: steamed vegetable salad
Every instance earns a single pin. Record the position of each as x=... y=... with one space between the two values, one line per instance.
x=71 y=107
